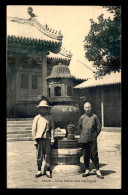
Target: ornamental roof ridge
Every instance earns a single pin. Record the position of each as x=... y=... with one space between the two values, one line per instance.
x=46 y=30
x=52 y=33
x=59 y=56
x=18 y=20
x=66 y=53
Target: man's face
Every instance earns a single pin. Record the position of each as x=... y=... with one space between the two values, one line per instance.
x=87 y=108
x=43 y=110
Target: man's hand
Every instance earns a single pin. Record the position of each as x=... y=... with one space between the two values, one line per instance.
x=52 y=141
x=35 y=142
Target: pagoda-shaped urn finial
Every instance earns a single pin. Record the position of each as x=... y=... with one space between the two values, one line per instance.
x=60 y=71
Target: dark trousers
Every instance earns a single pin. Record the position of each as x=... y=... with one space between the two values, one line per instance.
x=43 y=151
x=90 y=151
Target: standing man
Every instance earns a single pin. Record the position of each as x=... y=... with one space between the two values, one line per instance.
x=43 y=138
x=90 y=128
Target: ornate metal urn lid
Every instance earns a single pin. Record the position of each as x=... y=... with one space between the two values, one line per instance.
x=60 y=71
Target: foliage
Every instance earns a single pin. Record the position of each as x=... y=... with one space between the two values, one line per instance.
x=103 y=43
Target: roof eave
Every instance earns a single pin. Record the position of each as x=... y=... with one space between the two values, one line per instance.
x=58 y=77
x=91 y=86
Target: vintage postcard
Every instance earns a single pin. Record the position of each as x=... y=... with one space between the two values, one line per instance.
x=63 y=84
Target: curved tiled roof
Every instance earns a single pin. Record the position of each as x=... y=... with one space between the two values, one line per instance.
x=58 y=56
x=31 y=29
x=65 y=53
x=113 y=78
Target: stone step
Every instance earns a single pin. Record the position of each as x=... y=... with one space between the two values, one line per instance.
x=19 y=122
x=18 y=132
x=19 y=139
x=19 y=135
x=19 y=119
x=18 y=128
x=19 y=125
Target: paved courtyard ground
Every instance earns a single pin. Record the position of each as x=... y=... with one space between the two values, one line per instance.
x=21 y=167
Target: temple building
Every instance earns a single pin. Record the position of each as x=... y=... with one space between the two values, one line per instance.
x=28 y=44
x=33 y=50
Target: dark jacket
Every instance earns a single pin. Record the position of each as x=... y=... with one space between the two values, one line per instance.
x=90 y=128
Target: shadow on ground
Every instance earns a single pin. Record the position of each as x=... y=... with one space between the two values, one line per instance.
x=91 y=166
x=93 y=171
x=107 y=172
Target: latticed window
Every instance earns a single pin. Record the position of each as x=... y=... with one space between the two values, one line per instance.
x=24 y=81
x=57 y=91
x=34 y=81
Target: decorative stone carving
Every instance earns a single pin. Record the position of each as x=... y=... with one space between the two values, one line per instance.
x=65 y=157
x=30 y=10
x=70 y=131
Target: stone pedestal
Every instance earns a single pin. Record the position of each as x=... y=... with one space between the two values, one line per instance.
x=65 y=157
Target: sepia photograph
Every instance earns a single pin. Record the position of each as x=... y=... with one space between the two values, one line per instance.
x=63 y=97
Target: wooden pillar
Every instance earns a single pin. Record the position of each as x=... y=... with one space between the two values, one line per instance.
x=18 y=62
x=10 y=86
x=44 y=75
x=102 y=108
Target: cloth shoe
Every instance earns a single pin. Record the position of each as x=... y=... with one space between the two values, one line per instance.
x=99 y=175
x=39 y=174
x=86 y=173
x=49 y=174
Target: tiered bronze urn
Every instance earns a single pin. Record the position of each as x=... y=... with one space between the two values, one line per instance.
x=66 y=151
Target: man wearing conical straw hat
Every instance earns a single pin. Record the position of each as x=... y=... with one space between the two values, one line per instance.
x=43 y=137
